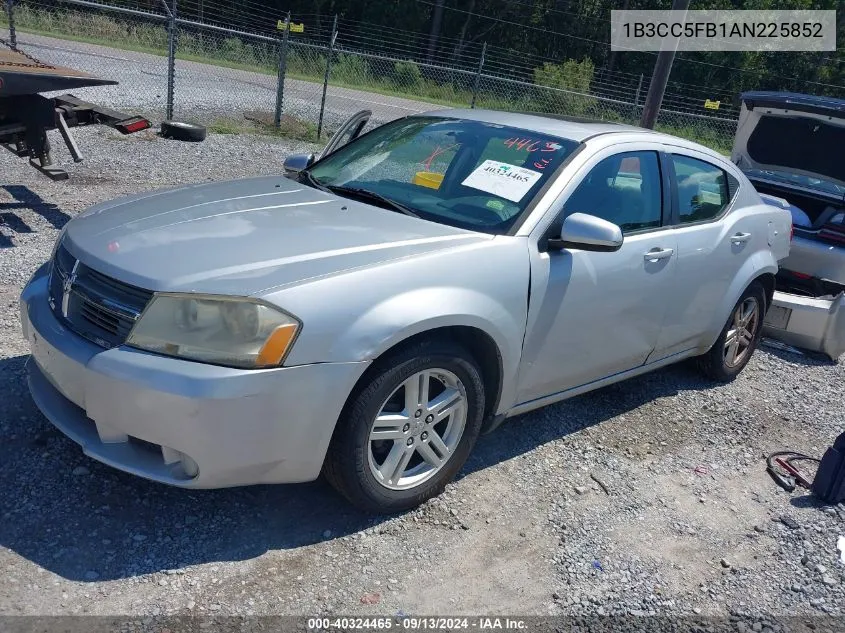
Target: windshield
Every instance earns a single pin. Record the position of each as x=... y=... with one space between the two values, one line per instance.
x=469 y=174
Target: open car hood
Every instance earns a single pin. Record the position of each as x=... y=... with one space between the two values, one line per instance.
x=796 y=137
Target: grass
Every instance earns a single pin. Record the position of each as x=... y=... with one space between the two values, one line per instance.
x=72 y=37
x=261 y=123
x=400 y=79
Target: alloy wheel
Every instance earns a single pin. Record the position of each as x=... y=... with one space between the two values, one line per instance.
x=417 y=429
x=741 y=333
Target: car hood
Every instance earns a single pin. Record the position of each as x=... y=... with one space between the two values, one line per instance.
x=245 y=236
x=794 y=137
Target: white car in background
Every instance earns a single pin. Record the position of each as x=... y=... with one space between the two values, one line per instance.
x=791 y=148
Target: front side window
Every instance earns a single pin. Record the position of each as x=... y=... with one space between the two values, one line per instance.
x=624 y=189
x=470 y=174
x=702 y=189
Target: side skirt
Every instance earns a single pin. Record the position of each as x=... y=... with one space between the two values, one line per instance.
x=596 y=384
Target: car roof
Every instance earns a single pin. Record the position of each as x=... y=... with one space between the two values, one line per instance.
x=574 y=128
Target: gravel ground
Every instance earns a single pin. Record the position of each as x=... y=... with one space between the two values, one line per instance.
x=204 y=92
x=684 y=520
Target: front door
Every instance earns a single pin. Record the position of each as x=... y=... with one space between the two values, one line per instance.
x=595 y=314
x=349 y=131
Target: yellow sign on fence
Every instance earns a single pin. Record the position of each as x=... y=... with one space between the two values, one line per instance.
x=294 y=28
x=712 y=105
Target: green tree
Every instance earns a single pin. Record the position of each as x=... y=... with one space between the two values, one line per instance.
x=569 y=85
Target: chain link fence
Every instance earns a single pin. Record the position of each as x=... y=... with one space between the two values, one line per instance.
x=231 y=80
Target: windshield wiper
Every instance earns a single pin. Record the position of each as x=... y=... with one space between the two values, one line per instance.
x=371 y=196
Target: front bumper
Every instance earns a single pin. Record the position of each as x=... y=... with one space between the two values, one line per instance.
x=179 y=422
x=814 y=324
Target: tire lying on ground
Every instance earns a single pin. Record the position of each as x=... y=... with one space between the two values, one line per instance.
x=181 y=131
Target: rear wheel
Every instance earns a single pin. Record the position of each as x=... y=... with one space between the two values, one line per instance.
x=408 y=431
x=739 y=338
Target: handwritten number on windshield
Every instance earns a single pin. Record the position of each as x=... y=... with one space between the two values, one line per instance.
x=531 y=145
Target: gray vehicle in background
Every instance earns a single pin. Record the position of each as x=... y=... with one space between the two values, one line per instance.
x=790 y=147
x=369 y=314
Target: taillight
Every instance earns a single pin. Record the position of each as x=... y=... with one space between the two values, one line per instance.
x=132 y=125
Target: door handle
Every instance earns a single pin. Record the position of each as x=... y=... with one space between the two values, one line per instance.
x=740 y=238
x=656 y=254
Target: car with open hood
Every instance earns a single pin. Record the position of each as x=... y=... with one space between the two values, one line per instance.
x=368 y=313
x=790 y=147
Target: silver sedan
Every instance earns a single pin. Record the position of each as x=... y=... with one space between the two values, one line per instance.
x=369 y=313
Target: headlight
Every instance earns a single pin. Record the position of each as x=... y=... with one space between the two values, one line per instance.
x=230 y=331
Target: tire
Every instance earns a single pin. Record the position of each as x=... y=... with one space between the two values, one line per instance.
x=181 y=131
x=717 y=362
x=356 y=463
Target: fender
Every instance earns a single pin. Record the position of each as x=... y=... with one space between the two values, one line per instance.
x=398 y=317
x=760 y=263
x=402 y=316
x=357 y=315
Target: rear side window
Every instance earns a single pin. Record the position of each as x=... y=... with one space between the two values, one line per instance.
x=733 y=185
x=702 y=189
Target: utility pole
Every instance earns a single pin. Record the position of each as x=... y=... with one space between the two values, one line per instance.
x=660 y=75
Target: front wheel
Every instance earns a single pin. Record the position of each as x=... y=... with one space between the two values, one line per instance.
x=739 y=338
x=406 y=433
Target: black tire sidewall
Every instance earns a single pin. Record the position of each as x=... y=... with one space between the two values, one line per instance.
x=717 y=352
x=351 y=446
x=183 y=131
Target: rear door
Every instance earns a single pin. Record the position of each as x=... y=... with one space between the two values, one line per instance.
x=713 y=244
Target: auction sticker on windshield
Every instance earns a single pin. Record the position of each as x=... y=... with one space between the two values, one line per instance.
x=502 y=179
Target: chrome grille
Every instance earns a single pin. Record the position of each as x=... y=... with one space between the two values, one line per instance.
x=101 y=318
x=93 y=305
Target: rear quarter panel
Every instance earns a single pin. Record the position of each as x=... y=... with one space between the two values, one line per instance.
x=778 y=222
x=773 y=223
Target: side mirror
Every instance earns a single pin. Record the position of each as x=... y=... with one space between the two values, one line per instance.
x=587 y=233
x=295 y=163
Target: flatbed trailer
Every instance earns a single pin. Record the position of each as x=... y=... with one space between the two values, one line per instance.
x=26 y=115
